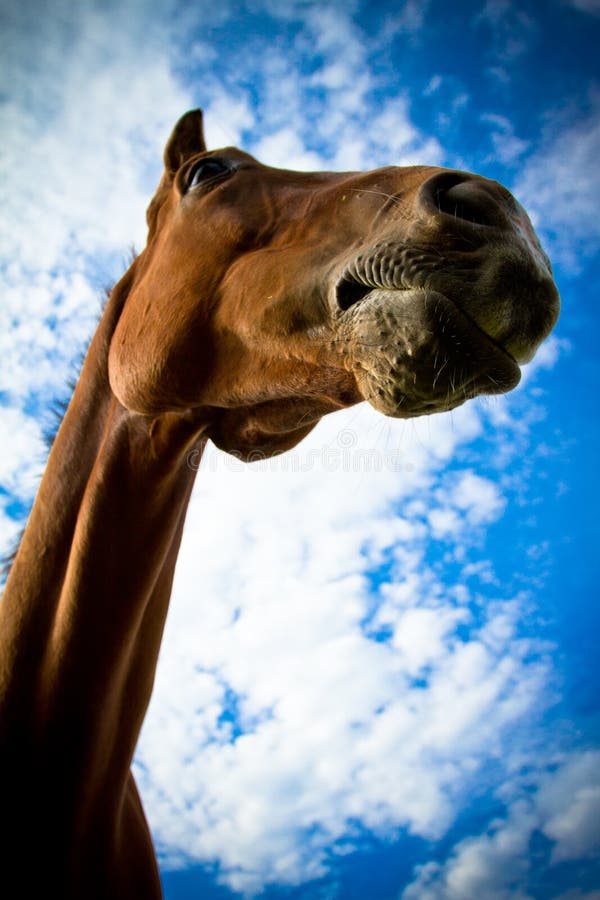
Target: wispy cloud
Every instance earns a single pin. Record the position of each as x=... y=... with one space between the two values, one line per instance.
x=589 y=6
x=560 y=185
x=82 y=167
x=561 y=804
x=81 y=158
x=508 y=147
x=512 y=32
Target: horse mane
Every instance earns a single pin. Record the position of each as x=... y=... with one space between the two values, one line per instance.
x=54 y=414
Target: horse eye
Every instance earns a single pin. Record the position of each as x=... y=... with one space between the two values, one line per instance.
x=204 y=171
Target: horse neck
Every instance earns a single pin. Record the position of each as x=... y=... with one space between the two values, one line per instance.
x=84 y=606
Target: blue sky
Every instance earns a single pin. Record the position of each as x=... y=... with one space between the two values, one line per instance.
x=383 y=682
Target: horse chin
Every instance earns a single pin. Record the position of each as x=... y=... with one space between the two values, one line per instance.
x=415 y=352
x=263 y=430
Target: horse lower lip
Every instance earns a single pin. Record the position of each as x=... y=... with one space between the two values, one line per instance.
x=354 y=292
x=425 y=325
x=497 y=365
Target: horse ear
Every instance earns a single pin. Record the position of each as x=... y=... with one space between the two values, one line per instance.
x=186 y=140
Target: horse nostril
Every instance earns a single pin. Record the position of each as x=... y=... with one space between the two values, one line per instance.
x=472 y=201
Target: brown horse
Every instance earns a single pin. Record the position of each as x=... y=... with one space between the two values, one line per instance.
x=263 y=300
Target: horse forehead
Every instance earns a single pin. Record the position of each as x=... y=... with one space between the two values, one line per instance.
x=283 y=179
x=395 y=178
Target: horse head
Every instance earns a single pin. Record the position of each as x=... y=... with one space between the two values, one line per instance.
x=266 y=298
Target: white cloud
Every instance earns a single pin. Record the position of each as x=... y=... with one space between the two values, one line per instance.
x=421 y=635
x=444 y=522
x=589 y=6
x=226 y=118
x=393 y=129
x=508 y=148
x=569 y=806
x=285 y=149
x=495 y=10
x=491 y=866
x=479 y=498
x=20 y=469
x=576 y=894
x=546 y=358
x=560 y=185
x=65 y=171
x=411 y=18
x=22 y=457
x=82 y=167
x=469 y=501
x=512 y=32
x=435 y=83
x=565 y=807
x=45 y=321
